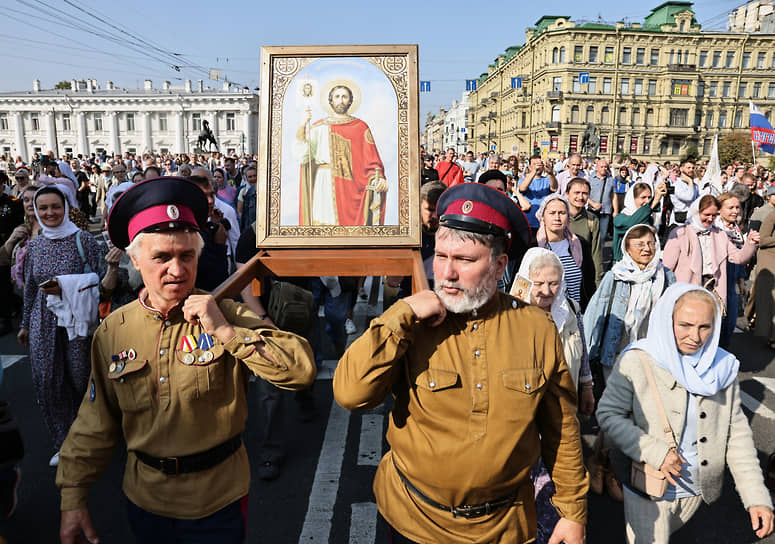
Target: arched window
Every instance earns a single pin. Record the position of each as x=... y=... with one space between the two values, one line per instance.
x=622 y=116
x=590 y=115
x=556 y=114
x=636 y=116
x=649 y=117
x=605 y=116
x=555 y=55
x=574 y=114
x=562 y=55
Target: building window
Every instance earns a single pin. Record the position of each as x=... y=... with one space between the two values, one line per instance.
x=652 y=87
x=681 y=26
x=703 y=58
x=716 y=59
x=605 y=116
x=709 y=120
x=638 y=89
x=35 y=119
x=574 y=114
x=130 y=122
x=647 y=146
x=741 y=89
x=592 y=87
x=562 y=55
x=770 y=91
x=633 y=145
x=730 y=59
x=578 y=53
x=726 y=89
x=678 y=117
x=635 y=116
x=697 y=118
x=713 y=90
x=649 y=117
x=757 y=89
x=640 y=55
x=654 y=60
x=555 y=55
x=557 y=84
x=772 y=65
x=746 y=59
x=196 y=121
x=619 y=144
x=760 y=60
x=556 y=114
x=162 y=122
x=555 y=141
x=66 y=121
x=681 y=87
x=606 y=85
x=624 y=88
x=603 y=144
x=722 y=119
x=590 y=117
x=706 y=147
x=231 y=122
x=574 y=143
x=627 y=55
x=524 y=119
x=676 y=147
x=608 y=56
x=593 y=53
x=622 y=116
x=738 y=118
x=97 y=122
x=700 y=89
x=3 y=121
x=576 y=85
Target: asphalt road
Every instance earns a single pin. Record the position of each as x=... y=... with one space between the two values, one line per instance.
x=323 y=494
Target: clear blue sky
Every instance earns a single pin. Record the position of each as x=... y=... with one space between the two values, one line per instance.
x=127 y=42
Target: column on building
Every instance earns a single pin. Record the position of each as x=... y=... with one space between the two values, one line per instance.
x=147 y=133
x=180 y=142
x=21 y=141
x=51 y=133
x=115 y=141
x=83 y=140
x=247 y=130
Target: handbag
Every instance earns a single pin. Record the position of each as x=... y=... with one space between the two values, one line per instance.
x=645 y=479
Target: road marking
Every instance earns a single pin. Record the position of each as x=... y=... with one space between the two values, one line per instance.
x=769 y=383
x=370 y=447
x=9 y=360
x=363 y=523
x=322 y=497
x=755 y=406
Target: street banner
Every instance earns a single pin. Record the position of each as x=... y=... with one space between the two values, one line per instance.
x=762 y=133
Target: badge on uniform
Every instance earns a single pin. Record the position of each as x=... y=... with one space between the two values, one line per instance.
x=187 y=343
x=205 y=341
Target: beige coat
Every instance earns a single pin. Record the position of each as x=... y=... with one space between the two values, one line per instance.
x=629 y=416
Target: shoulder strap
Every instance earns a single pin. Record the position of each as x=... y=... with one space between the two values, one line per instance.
x=81 y=252
x=658 y=401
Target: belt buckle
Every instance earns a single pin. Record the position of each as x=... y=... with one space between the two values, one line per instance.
x=170 y=466
x=468 y=511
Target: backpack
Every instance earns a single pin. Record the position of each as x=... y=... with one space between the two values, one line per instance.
x=291 y=307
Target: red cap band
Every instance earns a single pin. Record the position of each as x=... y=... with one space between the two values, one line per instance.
x=478 y=210
x=165 y=213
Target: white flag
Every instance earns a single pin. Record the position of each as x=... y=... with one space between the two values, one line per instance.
x=711 y=181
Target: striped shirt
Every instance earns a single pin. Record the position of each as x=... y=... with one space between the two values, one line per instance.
x=570 y=268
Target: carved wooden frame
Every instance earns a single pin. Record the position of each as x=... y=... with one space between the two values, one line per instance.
x=279 y=65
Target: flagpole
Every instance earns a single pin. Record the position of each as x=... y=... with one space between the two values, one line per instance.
x=753 y=148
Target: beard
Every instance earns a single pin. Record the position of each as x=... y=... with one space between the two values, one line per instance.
x=340 y=108
x=470 y=299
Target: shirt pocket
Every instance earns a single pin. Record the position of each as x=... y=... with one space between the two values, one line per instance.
x=131 y=385
x=201 y=373
x=522 y=388
x=437 y=379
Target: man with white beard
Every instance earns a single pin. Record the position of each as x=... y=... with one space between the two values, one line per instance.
x=481 y=391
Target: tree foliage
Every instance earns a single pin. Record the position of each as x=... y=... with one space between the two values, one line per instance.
x=735 y=147
x=691 y=153
x=64 y=84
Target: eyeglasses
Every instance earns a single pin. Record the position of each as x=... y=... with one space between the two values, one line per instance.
x=640 y=246
x=19 y=178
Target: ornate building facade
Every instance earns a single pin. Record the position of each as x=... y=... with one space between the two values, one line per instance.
x=87 y=119
x=651 y=89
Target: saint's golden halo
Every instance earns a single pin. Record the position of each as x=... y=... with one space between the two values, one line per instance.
x=326 y=89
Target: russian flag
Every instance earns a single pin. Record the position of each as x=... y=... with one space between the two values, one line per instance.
x=761 y=130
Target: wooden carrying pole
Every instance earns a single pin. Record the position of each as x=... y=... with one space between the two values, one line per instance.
x=286 y=263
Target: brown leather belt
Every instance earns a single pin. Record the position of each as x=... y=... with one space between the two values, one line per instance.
x=196 y=462
x=467 y=511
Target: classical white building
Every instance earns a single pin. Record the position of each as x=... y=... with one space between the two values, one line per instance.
x=87 y=119
x=455 y=120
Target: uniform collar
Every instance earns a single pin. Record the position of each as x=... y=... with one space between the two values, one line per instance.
x=157 y=314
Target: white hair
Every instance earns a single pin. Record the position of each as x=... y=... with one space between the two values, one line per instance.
x=545 y=260
x=133 y=249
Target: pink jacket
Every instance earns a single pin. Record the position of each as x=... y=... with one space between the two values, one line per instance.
x=682 y=255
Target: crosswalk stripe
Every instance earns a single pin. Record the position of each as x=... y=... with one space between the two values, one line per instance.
x=363 y=523
x=9 y=360
x=755 y=406
x=769 y=383
x=370 y=446
x=322 y=497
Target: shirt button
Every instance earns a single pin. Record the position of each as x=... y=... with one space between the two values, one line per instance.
x=474 y=313
x=162 y=379
x=478 y=386
x=513 y=303
x=477 y=353
x=248 y=339
x=527 y=386
x=432 y=384
x=475 y=326
x=162 y=351
x=167 y=323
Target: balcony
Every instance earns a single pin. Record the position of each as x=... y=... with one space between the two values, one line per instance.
x=553 y=125
x=682 y=67
x=554 y=95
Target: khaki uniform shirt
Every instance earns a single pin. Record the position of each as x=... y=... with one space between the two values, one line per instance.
x=166 y=408
x=477 y=400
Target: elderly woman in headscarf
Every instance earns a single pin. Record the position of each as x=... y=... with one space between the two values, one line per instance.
x=617 y=315
x=699 y=251
x=680 y=366
x=60 y=364
x=639 y=204
x=545 y=273
x=574 y=252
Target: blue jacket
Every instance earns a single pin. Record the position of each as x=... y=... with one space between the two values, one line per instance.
x=604 y=345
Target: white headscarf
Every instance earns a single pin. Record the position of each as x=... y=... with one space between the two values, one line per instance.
x=561 y=310
x=645 y=285
x=629 y=200
x=693 y=217
x=704 y=373
x=66 y=227
x=652 y=176
x=67 y=172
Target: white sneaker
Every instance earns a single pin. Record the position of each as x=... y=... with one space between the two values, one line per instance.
x=54 y=461
x=349 y=326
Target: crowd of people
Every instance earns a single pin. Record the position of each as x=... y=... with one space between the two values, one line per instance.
x=506 y=241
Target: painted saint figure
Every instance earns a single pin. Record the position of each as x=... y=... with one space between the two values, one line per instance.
x=342 y=175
